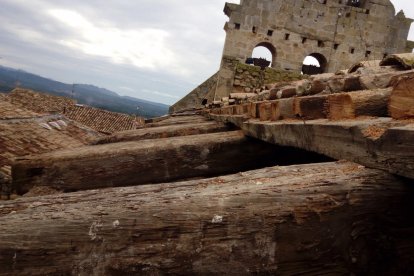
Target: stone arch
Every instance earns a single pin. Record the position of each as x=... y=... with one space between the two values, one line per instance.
x=355 y=3
x=315 y=69
x=269 y=46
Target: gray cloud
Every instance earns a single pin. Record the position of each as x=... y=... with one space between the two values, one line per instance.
x=152 y=49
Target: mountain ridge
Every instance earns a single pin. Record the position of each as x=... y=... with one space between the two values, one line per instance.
x=88 y=94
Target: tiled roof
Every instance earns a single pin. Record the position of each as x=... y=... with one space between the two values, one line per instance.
x=39 y=102
x=102 y=120
x=39 y=135
x=10 y=111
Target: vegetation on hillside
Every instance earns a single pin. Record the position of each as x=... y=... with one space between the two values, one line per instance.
x=83 y=93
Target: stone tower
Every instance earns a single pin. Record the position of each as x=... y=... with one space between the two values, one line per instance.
x=338 y=33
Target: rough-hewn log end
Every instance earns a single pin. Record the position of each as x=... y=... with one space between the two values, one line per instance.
x=401 y=105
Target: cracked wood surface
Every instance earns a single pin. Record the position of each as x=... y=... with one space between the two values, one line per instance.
x=401 y=105
x=146 y=161
x=320 y=219
x=164 y=132
x=381 y=143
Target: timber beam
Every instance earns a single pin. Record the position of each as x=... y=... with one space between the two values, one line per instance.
x=381 y=143
x=319 y=219
x=164 y=132
x=149 y=161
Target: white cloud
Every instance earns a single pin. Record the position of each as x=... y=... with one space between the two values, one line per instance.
x=166 y=47
x=159 y=93
x=125 y=88
x=143 y=48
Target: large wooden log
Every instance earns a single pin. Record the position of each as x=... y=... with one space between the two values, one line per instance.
x=178 y=120
x=354 y=104
x=164 y=132
x=310 y=107
x=146 y=161
x=254 y=111
x=327 y=219
x=265 y=111
x=401 y=105
x=377 y=143
x=282 y=109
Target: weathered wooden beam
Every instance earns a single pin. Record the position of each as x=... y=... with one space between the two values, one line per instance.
x=282 y=109
x=325 y=219
x=401 y=105
x=236 y=120
x=178 y=120
x=254 y=110
x=310 y=107
x=227 y=110
x=157 y=119
x=238 y=109
x=164 y=132
x=377 y=143
x=265 y=111
x=354 y=104
x=146 y=161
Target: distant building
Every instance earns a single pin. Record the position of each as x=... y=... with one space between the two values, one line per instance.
x=338 y=33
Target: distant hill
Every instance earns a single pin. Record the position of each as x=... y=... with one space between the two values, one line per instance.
x=83 y=93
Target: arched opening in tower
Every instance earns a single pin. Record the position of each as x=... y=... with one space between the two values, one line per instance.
x=314 y=64
x=266 y=51
x=354 y=3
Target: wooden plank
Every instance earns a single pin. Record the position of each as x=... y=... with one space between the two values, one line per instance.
x=354 y=104
x=282 y=109
x=164 y=132
x=264 y=111
x=310 y=107
x=254 y=111
x=377 y=143
x=140 y=162
x=239 y=110
x=274 y=111
x=178 y=120
x=325 y=219
x=401 y=105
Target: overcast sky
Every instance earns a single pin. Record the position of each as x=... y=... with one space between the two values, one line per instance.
x=156 y=50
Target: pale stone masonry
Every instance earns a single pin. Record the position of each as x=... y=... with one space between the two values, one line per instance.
x=338 y=33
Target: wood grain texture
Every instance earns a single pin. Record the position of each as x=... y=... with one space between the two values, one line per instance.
x=325 y=219
x=164 y=132
x=374 y=143
x=380 y=143
x=401 y=105
x=310 y=107
x=265 y=111
x=283 y=109
x=141 y=162
x=361 y=103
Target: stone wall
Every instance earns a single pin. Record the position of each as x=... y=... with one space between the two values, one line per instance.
x=252 y=79
x=233 y=77
x=332 y=31
x=197 y=98
x=335 y=32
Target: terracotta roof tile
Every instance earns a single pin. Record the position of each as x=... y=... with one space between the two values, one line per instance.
x=39 y=102
x=102 y=120
x=28 y=136
x=10 y=111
